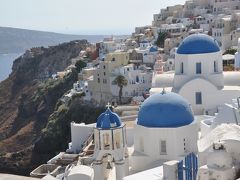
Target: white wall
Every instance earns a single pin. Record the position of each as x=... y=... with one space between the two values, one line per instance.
x=211 y=96
x=80 y=133
x=152 y=137
x=237 y=60
x=189 y=66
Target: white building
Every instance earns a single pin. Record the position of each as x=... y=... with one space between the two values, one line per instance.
x=237 y=57
x=149 y=53
x=199 y=75
x=109 y=45
x=110 y=146
x=102 y=87
x=220 y=6
x=87 y=71
x=82 y=87
x=173 y=29
x=199 y=20
x=139 y=80
x=165 y=131
x=186 y=21
x=221 y=31
x=227 y=114
x=219 y=153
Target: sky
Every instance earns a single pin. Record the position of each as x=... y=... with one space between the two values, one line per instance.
x=86 y=17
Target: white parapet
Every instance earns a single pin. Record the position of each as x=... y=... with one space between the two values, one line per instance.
x=170 y=170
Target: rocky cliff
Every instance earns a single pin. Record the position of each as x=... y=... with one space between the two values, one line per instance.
x=34 y=125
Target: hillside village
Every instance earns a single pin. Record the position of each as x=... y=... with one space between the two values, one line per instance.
x=172 y=94
x=151 y=49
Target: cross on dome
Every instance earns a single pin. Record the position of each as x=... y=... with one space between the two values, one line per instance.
x=108 y=105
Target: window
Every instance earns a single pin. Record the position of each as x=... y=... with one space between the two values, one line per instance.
x=137 y=79
x=198 y=68
x=163 y=147
x=198 y=97
x=98 y=80
x=104 y=67
x=118 y=140
x=215 y=66
x=104 y=73
x=104 y=81
x=106 y=141
x=181 y=70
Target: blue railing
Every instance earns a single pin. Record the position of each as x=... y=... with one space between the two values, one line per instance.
x=190 y=166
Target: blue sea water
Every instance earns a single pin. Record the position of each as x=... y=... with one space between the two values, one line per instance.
x=6 y=62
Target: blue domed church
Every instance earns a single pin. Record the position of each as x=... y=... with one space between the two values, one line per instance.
x=165 y=130
x=199 y=75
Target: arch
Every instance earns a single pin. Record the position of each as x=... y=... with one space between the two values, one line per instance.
x=197 y=81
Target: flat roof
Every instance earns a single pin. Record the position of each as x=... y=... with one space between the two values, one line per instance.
x=228 y=57
x=229 y=88
x=15 y=177
x=153 y=174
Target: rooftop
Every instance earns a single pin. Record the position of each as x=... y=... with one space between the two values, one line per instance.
x=198 y=44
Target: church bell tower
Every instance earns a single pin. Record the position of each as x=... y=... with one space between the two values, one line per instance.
x=110 y=146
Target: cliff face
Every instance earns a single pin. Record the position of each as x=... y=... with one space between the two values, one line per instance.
x=27 y=99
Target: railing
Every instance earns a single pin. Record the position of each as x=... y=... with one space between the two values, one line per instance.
x=87 y=142
x=189 y=166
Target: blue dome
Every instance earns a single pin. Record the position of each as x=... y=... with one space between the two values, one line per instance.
x=198 y=44
x=144 y=41
x=167 y=110
x=108 y=120
x=153 y=49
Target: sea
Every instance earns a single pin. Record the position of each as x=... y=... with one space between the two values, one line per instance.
x=6 y=62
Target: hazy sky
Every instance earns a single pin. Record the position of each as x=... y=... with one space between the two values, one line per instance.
x=81 y=16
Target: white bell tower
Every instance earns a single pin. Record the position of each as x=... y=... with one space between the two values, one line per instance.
x=110 y=146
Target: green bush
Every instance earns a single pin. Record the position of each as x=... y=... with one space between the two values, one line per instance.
x=230 y=51
x=80 y=65
x=161 y=38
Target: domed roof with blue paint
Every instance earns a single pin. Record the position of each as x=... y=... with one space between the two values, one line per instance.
x=153 y=49
x=198 y=44
x=165 y=110
x=108 y=120
x=144 y=41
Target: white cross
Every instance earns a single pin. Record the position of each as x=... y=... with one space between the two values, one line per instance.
x=108 y=105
